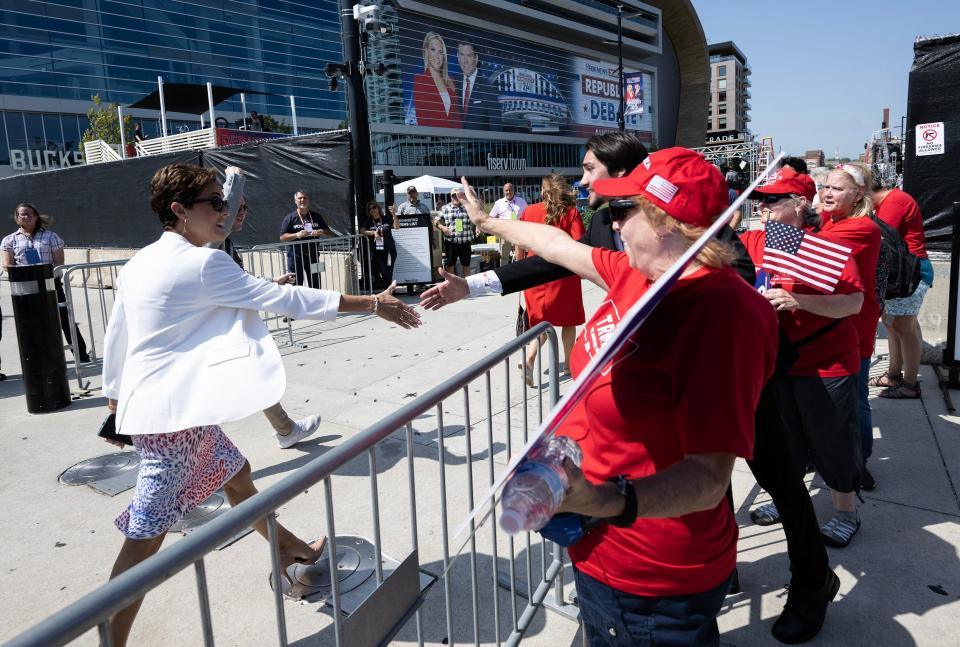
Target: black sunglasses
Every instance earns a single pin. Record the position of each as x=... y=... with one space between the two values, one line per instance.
x=620 y=208
x=774 y=198
x=218 y=203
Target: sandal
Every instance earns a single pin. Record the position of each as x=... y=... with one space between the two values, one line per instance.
x=885 y=380
x=765 y=515
x=527 y=374
x=902 y=391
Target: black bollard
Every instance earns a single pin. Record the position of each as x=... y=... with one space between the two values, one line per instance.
x=37 y=318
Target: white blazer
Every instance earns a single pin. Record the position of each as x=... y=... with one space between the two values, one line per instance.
x=185 y=345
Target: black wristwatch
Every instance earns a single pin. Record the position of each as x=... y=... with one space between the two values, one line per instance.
x=629 y=515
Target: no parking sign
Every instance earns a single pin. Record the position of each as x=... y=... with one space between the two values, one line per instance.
x=930 y=139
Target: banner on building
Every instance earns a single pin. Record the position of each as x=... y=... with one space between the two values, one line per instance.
x=633 y=93
x=464 y=77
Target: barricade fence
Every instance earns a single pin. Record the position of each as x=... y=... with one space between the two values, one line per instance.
x=89 y=288
x=434 y=458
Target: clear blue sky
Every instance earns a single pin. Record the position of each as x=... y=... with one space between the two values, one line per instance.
x=824 y=70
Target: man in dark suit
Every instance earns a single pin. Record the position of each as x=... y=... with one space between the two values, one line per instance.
x=479 y=106
x=813 y=584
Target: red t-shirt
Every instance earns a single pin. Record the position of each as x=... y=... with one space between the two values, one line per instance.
x=901 y=212
x=863 y=235
x=660 y=400
x=834 y=353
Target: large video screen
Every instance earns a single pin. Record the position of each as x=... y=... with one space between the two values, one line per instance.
x=462 y=77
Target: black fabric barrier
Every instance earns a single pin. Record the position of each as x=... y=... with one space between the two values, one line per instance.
x=96 y=205
x=318 y=164
x=934 y=96
x=108 y=205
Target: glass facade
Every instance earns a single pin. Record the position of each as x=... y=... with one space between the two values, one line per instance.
x=72 y=49
x=55 y=54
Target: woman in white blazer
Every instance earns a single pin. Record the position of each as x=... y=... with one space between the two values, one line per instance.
x=186 y=351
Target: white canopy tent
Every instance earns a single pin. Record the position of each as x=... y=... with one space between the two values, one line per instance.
x=427 y=186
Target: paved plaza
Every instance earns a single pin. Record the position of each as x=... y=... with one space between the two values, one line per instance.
x=900 y=577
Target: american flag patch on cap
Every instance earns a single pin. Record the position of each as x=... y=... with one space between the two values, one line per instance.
x=662 y=188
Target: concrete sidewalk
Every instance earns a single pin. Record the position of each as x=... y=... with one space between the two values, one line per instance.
x=900 y=576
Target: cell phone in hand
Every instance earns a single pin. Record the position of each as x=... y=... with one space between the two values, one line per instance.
x=108 y=431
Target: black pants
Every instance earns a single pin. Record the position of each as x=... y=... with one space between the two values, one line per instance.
x=780 y=473
x=65 y=323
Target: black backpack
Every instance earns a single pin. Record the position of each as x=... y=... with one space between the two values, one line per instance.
x=898 y=271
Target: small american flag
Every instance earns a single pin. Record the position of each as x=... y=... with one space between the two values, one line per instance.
x=808 y=259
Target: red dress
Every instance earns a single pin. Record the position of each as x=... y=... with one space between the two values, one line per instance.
x=558 y=302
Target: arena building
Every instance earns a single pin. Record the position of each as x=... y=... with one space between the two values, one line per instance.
x=527 y=81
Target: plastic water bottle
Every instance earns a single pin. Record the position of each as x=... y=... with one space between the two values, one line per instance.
x=534 y=493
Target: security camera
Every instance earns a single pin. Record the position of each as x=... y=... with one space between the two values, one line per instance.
x=368 y=16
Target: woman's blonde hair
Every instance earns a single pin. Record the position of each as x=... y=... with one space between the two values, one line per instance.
x=863 y=206
x=429 y=36
x=558 y=197
x=715 y=253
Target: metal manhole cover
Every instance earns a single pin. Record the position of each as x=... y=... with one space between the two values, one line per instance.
x=100 y=468
x=203 y=513
x=355 y=565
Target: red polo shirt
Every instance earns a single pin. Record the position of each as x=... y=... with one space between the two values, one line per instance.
x=688 y=383
x=834 y=353
x=901 y=212
x=863 y=235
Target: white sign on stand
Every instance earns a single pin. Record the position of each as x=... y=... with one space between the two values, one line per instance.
x=929 y=139
x=413 y=255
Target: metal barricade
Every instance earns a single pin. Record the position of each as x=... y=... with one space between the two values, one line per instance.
x=98 y=281
x=509 y=422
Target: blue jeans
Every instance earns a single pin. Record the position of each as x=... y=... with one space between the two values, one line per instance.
x=613 y=618
x=864 y=416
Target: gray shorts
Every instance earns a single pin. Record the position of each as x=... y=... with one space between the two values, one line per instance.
x=820 y=415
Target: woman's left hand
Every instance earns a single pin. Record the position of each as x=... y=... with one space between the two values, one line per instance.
x=781 y=300
x=581 y=496
x=284 y=279
x=474 y=205
x=396 y=311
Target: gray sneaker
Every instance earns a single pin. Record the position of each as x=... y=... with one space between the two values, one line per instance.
x=301 y=429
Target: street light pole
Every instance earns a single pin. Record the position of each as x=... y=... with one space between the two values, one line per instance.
x=621 y=121
x=357 y=112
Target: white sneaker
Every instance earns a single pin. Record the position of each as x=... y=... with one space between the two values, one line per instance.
x=301 y=429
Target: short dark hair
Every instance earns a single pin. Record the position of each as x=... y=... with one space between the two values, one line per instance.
x=177 y=183
x=798 y=164
x=618 y=150
x=476 y=50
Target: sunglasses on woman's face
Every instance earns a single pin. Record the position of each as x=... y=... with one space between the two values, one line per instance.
x=620 y=209
x=774 y=198
x=218 y=203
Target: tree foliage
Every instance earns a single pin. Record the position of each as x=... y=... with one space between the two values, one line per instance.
x=273 y=125
x=105 y=123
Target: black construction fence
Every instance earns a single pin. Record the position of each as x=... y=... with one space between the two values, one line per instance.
x=108 y=205
x=934 y=96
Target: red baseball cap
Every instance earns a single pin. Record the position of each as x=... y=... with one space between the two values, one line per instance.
x=786 y=181
x=679 y=181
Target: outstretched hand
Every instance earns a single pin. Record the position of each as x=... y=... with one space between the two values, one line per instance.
x=450 y=291
x=473 y=205
x=396 y=311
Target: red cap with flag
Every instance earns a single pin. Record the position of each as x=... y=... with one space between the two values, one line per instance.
x=679 y=181
x=786 y=181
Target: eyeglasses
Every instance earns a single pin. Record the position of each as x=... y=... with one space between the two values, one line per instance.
x=619 y=209
x=774 y=198
x=218 y=203
x=26 y=215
